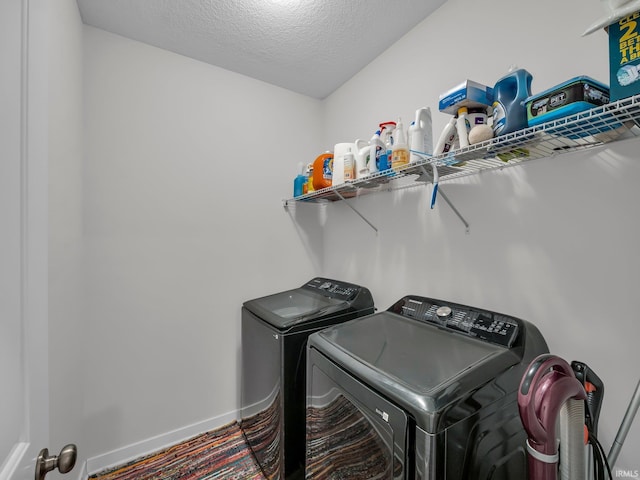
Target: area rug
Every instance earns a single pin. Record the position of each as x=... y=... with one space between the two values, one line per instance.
x=343 y=443
x=263 y=432
x=220 y=454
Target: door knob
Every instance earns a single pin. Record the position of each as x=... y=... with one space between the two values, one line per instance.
x=64 y=462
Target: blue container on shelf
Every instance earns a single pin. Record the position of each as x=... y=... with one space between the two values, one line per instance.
x=572 y=98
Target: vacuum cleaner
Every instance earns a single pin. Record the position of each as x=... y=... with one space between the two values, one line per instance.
x=559 y=405
x=549 y=391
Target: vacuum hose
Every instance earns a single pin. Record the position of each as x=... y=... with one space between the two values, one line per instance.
x=572 y=449
x=549 y=395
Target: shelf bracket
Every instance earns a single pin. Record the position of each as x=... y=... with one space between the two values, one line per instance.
x=446 y=199
x=356 y=211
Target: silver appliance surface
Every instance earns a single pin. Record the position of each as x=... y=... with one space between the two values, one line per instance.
x=419 y=356
x=420 y=366
x=425 y=390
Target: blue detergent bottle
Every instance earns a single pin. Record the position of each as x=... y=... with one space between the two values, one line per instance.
x=299 y=182
x=509 y=93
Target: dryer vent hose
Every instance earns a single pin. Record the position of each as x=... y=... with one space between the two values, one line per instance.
x=572 y=448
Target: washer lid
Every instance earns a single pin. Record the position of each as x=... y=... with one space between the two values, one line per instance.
x=417 y=364
x=285 y=309
x=317 y=299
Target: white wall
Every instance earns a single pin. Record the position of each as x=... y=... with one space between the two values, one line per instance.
x=66 y=315
x=552 y=241
x=11 y=354
x=186 y=166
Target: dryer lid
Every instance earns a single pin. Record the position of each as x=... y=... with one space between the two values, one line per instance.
x=418 y=365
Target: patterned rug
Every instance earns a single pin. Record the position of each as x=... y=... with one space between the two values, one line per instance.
x=338 y=434
x=263 y=432
x=220 y=454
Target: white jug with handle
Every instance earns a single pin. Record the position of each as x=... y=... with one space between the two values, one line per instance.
x=343 y=162
x=362 y=153
x=421 y=134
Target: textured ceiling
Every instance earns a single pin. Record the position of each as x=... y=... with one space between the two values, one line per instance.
x=307 y=46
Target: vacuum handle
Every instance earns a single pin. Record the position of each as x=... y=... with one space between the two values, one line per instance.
x=594 y=387
x=540 y=366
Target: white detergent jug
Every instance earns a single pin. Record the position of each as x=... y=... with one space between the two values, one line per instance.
x=362 y=155
x=343 y=162
x=421 y=134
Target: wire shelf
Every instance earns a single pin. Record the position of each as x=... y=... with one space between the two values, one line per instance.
x=591 y=128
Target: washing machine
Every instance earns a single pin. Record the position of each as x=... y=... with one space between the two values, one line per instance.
x=425 y=390
x=275 y=329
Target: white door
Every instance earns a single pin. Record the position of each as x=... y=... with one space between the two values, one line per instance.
x=23 y=237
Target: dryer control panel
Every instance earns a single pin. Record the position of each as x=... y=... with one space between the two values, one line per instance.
x=488 y=326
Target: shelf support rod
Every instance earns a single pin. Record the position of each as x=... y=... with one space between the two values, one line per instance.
x=455 y=210
x=356 y=211
x=446 y=199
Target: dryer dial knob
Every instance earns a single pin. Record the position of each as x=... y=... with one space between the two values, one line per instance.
x=443 y=312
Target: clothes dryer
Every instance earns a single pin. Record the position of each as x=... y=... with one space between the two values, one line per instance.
x=426 y=390
x=275 y=329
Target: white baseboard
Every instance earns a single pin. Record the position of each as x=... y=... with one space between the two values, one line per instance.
x=82 y=471
x=153 y=444
x=13 y=460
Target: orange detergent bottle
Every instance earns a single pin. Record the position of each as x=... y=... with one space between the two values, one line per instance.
x=323 y=171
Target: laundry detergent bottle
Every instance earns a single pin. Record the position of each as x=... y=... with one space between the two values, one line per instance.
x=323 y=171
x=386 y=134
x=400 y=148
x=509 y=94
x=421 y=134
x=299 y=182
x=376 y=146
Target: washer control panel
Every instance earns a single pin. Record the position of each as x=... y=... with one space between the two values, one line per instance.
x=488 y=326
x=332 y=288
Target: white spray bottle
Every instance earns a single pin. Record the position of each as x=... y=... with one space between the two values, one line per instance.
x=376 y=146
x=421 y=134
